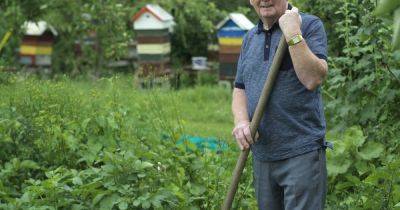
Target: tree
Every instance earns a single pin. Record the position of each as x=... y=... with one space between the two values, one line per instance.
x=13 y=13
x=75 y=20
x=195 y=28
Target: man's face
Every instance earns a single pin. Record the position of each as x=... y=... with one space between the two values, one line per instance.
x=269 y=8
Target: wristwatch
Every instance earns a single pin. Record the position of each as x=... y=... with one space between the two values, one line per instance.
x=294 y=40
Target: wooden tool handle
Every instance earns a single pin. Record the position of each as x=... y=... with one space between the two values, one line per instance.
x=255 y=122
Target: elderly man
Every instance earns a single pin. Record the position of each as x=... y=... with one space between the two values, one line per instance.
x=289 y=155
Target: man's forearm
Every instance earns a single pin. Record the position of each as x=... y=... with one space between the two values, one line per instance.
x=239 y=106
x=310 y=69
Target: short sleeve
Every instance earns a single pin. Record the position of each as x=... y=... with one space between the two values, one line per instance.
x=316 y=39
x=239 y=82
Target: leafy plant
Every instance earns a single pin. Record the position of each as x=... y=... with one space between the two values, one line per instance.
x=388 y=7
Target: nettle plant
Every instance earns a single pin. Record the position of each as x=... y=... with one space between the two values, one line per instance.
x=361 y=96
x=360 y=175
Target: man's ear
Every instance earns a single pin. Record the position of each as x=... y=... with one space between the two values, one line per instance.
x=251 y=2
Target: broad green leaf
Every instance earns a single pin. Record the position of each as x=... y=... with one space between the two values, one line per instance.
x=94 y=147
x=156 y=203
x=146 y=204
x=123 y=205
x=197 y=189
x=371 y=150
x=344 y=185
x=376 y=176
x=108 y=202
x=78 y=207
x=338 y=165
x=136 y=203
x=29 y=164
x=147 y=164
x=361 y=167
x=77 y=180
x=98 y=198
x=141 y=175
x=26 y=197
x=355 y=180
x=354 y=137
x=339 y=147
x=178 y=192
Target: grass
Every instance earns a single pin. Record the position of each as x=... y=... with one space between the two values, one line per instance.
x=199 y=111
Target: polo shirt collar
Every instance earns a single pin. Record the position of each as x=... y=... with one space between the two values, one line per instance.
x=260 y=24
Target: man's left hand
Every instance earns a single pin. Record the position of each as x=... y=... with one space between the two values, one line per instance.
x=290 y=23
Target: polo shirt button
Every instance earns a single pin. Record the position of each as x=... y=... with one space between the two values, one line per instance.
x=266 y=46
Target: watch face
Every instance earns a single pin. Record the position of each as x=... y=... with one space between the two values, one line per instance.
x=295 y=40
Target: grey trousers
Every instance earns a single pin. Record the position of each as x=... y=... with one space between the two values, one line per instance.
x=297 y=183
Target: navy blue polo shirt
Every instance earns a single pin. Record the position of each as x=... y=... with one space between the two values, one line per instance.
x=293 y=121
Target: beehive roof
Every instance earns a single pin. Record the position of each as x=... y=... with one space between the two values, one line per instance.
x=239 y=19
x=38 y=28
x=156 y=10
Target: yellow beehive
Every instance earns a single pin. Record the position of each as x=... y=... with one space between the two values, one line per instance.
x=37 y=44
x=35 y=50
x=230 y=41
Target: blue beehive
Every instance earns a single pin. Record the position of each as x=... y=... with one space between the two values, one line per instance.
x=231 y=29
x=230 y=36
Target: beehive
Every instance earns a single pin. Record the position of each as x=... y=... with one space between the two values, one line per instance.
x=37 y=44
x=230 y=37
x=153 y=26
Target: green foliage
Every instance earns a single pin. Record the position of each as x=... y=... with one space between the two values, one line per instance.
x=356 y=181
x=388 y=7
x=105 y=145
x=363 y=79
x=360 y=94
x=74 y=21
x=10 y=17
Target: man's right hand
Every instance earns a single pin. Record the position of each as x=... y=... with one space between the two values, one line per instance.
x=242 y=134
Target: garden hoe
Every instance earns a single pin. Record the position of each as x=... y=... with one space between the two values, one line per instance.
x=241 y=162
